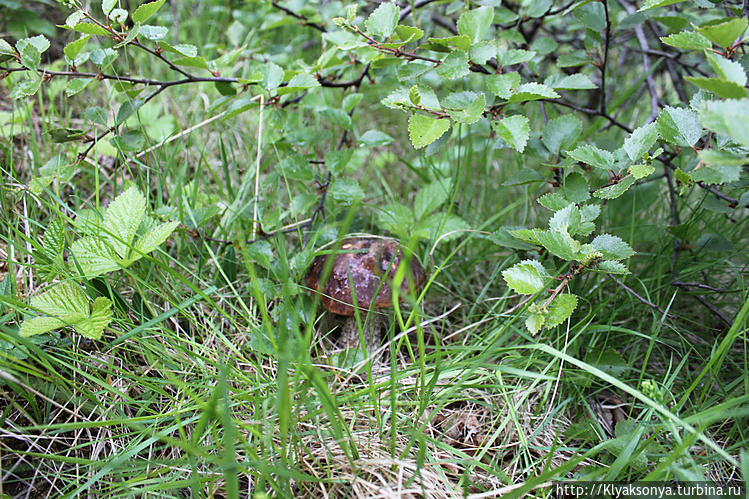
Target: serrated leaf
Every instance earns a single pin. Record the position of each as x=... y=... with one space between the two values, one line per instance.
x=39 y=325
x=192 y=62
x=90 y=29
x=127 y=109
x=130 y=141
x=559 y=243
x=721 y=88
x=503 y=85
x=93 y=326
x=62 y=300
x=62 y=135
x=25 y=88
x=502 y=237
x=514 y=56
x=560 y=309
x=687 y=40
x=515 y=130
x=383 y=20
x=302 y=81
x=449 y=43
x=431 y=196
x=611 y=267
x=576 y=188
x=31 y=57
x=374 y=138
x=465 y=107
x=423 y=130
x=639 y=171
x=532 y=91
x=96 y=114
x=726 y=69
x=615 y=190
x=724 y=34
x=612 y=247
x=679 y=126
x=103 y=57
x=122 y=218
x=560 y=133
x=534 y=323
x=6 y=49
x=338 y=117
x=475 y=23
x=553 y=201
x=94 y=256
x=156 y=34
x=592 y=16
x=640 y=141
x=73 y=48
x=54 y=238
x=481 y=52
x=107 y=6
x=155 y=237
x=146 y=10
x=526 y=278
x=728 y=118
x=455 y=65
x=652 y=4
x=577 y=81
x=527 y=235
x=593 y=156
x=346 y=191
x=568 y=218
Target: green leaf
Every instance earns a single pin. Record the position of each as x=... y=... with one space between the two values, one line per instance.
x=62 y=135
x=25 y=88
x=576 y=188
x=431 y=196
x=155 y=237
x=455 y=65
x=481 y=52
x=560 y=309
x=295 y=166
x=107 y=6
x=533 y=91
x=39 y=325
x=559 y=243
x=553 y=201
x=640 y=141
x=338 y=117
x=100 y=317
x=593 y=156
x=103 y=57
x=54 y=238
x=62 y=300
x=412 y=70
x=615 y=190
x=90 y=29
x=726 y=69
x=679 y=126
x=346 y=191
x=612 y=247
x=576 y=81
x=687 y=40
x=526 y=278
x=611 y=267
x=96 y=114
x=156 y=34
x=535 y=322
x=146 y=10
x=446 y=228
x=374 y=138
x=73 y=48
x=510 y=57
x=74 y=86
x=122 y=218
x=724 y=34
x=502 y=237
x=515 y=130
x=302 y=81
x=31 y=57
x=127 y=109
x=503 y=85
x=592 y=16
x=721 y=88
x=95 y=256
x=6 y=50
x=639 y=171
x=728 y=118
x=423 y=130
x=652 y=4
x=449 y=43
x=465 y=107
x=567 y=219
x=191 y=62
x=408 y=33
x=130 y=141
x=183 y=49
x=560 y=133
x=383 y=20
x=475 y=23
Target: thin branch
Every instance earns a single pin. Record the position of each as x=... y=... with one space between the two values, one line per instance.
x=592 y=112
x=305 y=21
x=604 y=63
x=712 y=308
x=642 y=300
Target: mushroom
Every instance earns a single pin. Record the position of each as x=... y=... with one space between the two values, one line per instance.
x=362 y=271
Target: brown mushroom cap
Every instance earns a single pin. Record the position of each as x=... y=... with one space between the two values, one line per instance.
x=370 y=258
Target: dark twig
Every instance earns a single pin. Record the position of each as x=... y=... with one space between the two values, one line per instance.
x=640 y=298
x=604 y=63
x=712 y=308
x=305 y=21
x=592 y=112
